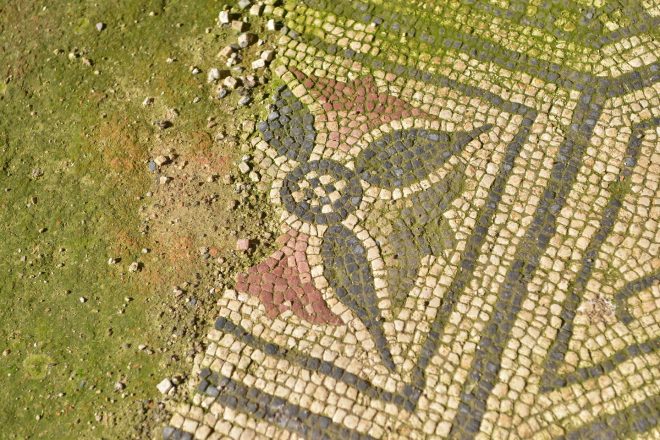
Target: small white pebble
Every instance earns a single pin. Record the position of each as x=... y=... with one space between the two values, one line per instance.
x=164 y=386
x=213 y=75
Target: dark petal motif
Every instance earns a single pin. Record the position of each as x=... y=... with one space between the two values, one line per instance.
x=348 y=271
x=324 y=209
x=403 y=157
x=289 y=128
x=420 y=230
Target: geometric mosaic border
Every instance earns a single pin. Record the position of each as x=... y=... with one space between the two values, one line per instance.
x=581 y=101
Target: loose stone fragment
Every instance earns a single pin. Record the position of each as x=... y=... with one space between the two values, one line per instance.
x=271 y=25
x=246 y=39
x=249 y=82
x=258 y=64
x=213 y=74
x=163 y=124
x=244 y=167
x=161 y=160
x=164 y=386
x=223 y=17
x=268 y=55
x=226 y=51
x=239 y=26
x=242 y=244
x=256 y=9
x=231 y=82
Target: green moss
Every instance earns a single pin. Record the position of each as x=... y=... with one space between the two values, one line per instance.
x=620 y=188
x=73 y=150
x=37 y=366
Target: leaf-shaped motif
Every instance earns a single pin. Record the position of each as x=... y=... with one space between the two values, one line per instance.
x=348 y=271
x=289 y=128
x=419 y=230
x=403 y=157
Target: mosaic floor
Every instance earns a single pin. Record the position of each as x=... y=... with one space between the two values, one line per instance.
x=469 y=201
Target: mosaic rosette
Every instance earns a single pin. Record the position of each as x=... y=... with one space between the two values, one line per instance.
x=469 y=238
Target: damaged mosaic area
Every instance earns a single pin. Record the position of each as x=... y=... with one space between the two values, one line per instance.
x=469 y=198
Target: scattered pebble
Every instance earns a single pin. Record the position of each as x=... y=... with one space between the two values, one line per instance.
x=258 y=64
x=195 y=70
x=272 y=25
x=239 y=26
x=113 y=260
x=171 y=113
x=256 y=10
x=148 y=101
x=244 y=4
x=244 y=168
x=226 y=51
x=165 y=386
x=268 y=55
x=161 y=160
x=230 y=82
x=246 y=39
x=135 y=266
x=250 y=82
x=100 y=26
x=213 y=75
x=245 y=100
x=242 y=244
x=223 y=17
x=163 y=124
x=163 y=180
x=233 y=60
